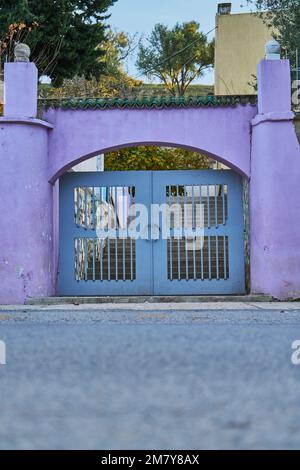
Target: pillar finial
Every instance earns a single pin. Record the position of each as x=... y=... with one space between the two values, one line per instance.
x=22 y=52
x=272 y=49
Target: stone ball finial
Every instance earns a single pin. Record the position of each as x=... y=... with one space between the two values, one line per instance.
x=22 y=53
x=272 y=49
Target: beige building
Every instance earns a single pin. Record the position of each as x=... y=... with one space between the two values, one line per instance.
x=240 y=42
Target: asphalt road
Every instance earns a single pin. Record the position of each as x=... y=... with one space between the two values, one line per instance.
x=149 y=380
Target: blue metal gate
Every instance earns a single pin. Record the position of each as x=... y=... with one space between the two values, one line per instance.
x=151 y=233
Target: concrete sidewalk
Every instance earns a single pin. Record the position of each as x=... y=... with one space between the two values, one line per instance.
x=170 y=306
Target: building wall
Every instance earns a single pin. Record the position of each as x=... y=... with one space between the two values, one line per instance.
x=93 y=164
x=240 y=42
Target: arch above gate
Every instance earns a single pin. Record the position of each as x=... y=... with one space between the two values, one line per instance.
x=220 y=130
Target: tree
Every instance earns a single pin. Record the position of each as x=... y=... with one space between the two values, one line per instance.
x=117 y=48
x=64 y=35
x=155 y=158
x=284 y=16
x=176 y=56
x=114 y=82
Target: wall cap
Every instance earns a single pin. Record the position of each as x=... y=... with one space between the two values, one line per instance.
x=30 y=121
x=148 y=103
x=269 y=117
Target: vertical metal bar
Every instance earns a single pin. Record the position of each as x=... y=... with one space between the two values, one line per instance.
x=108 y=209
x=93 y=210
x=209 y=258
x=194 y=258
x=178 y=241
x=202 y=241
x=94 y=266
x=208 y=207
x=186 y=221
x=108 y=238
x=85 y=209
x=124 y=222
x=193 y=208
x=186 y=259
x=170 y=234
x=76 y=259
x=223 y=204
x=101 y=258
x=80 y=208
x=131 y=201
x=217 y=257
x=202 y=225
x=216 y=206
x=117 y=233
x=85 y=260
x=108 y=259
x=76 y=205
x=225 y=258
x=201 y=221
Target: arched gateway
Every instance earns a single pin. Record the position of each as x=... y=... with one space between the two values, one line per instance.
x=257 y=141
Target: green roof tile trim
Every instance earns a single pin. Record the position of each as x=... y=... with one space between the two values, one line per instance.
x=148 y=103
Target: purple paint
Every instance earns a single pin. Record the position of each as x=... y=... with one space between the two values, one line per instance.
x=274 y=196
x=32 y=154
x=223 y=133
x=20 y=90
x=26 y=238
x=274 y=86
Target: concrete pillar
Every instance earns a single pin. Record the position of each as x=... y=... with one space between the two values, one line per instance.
x=274 y=187
x=26 y=239
x=20 y=89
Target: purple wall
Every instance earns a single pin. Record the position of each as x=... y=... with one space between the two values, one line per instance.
x=223 y=133
x=275 y=196
x=26 y=213
x=34 y=152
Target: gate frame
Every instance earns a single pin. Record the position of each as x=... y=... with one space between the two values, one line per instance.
x=151 y=256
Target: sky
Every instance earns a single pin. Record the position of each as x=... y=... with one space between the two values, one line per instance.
x=140 y=16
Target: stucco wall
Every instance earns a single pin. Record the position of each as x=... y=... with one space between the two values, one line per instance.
x=26 y=235
x=223 y=133
x=240 y=41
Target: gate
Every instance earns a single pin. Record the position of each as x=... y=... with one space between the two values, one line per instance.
x=151 y=233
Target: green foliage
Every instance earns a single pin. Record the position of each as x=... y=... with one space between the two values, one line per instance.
x=157 y=90
x=114 y=82
x=155 y=158
x=284 y=16
x=66 y=41
x=162 y=58
x=117 y=47
x=120 y=85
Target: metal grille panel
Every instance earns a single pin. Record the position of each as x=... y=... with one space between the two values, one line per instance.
x=105 y=260
x=197 y=258
x=112 y=257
